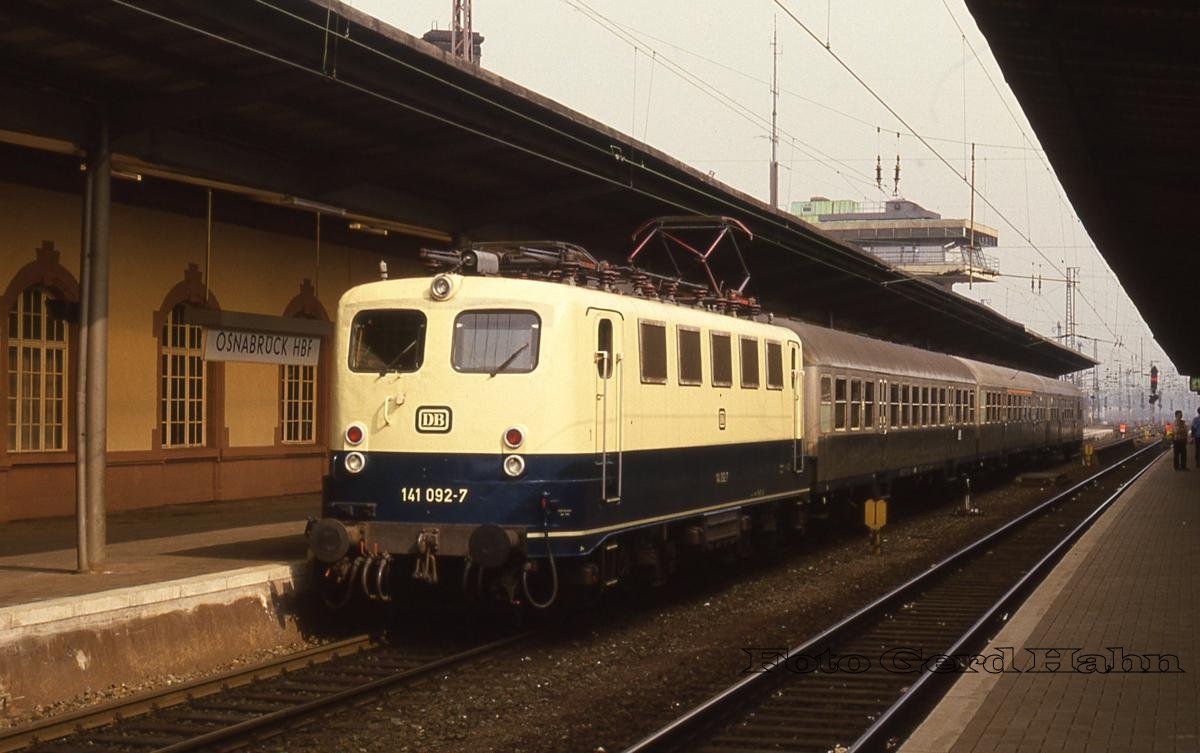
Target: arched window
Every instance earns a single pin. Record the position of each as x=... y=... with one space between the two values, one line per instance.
x=182 y=371
x=300 y=402
x=38 y=344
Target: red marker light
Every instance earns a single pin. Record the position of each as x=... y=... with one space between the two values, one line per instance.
x=513 y=438
x=354 y=434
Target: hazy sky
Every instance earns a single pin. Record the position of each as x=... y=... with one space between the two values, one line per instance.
x=693 y=79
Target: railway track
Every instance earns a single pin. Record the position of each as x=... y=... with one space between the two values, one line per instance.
x=802 y=701
x=232 y=708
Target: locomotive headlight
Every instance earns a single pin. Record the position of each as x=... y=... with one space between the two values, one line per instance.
x=441 y=288
x=514 y=465
x=354 y=462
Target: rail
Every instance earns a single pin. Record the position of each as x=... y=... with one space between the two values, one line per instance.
x=743 y=706
x=241 y=703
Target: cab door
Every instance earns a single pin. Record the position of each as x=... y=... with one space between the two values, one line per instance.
x=607 y=371
x=797 y=385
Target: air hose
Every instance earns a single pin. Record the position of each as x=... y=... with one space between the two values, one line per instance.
x=553 y=567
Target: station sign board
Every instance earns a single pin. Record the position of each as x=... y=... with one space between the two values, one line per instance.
x=261 y=347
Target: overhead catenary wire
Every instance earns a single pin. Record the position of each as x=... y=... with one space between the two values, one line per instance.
x=899 y=118
x=769 y=219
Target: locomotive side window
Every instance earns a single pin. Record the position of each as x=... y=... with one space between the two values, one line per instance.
x=653 y=339
x=855 y=403
x=384 y=340
x=691 y=370
x=895 y=402
x=496 y=342
x=604 y=346
x=869 y=405
x=839 y=404
x=749 y=354
x=826 y=403
x=774 y=366
x=722 y=360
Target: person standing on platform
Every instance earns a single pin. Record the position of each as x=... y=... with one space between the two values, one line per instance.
x=1196 y=436
x=1180 y=442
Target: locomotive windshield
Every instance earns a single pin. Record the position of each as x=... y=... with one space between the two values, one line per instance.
x=386 y=340
x=496 y=342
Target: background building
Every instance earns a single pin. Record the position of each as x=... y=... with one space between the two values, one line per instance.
x=908 y=236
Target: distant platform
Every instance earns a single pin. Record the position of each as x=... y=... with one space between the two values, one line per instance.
x=1127 y=593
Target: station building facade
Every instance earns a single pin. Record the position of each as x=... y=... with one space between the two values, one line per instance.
x=180 y=429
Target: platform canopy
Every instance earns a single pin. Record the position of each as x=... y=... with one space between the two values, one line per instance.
x=322 y=107
x=1112 y=89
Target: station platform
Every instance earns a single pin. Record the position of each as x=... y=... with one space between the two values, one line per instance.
x=184 y=587
x=1129 y=593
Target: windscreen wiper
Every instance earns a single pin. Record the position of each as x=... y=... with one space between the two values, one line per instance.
x=396 y=360
x=507 y=361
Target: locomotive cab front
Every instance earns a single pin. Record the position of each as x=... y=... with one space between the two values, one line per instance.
x=449 y=431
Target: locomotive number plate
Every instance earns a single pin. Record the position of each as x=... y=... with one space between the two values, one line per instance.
x=433 y=495
x=434 y=419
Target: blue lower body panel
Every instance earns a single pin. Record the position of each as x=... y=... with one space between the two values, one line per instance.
x=656 y=486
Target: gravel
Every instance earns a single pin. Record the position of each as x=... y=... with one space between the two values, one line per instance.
x=601 y=681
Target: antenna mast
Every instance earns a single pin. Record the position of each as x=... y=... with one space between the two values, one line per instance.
x=462 y=41
x=774 y=115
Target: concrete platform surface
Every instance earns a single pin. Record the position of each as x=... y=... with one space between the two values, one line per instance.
x=37 y=558
x=1127 y=597
x=185 y=588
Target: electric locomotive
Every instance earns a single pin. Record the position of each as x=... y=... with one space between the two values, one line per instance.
x=515 y=436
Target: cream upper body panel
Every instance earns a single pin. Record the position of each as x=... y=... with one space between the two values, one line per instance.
x=556 y=403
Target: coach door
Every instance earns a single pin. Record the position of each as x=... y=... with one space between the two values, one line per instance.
x=797 y=373
x=607 y=373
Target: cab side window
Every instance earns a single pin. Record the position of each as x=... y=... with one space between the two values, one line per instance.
x=653 y=346
x=604 y=349
x=722 y=359
x=691 y=371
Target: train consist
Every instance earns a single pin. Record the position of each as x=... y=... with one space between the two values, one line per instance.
x=515 y=437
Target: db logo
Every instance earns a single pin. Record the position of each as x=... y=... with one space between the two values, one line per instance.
x=434 y=419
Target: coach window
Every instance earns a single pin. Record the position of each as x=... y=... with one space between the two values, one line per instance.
x=942 y=411
x=839 y=404
x=904 y=406
x=722 y=360
x=653 y=341
x=894 y=391
x=924 y=406
x=971 y=406
x=691 y=371
x=749 y=358
x=915 y=407
x=869 y=405
x=604 y=349
x=855 y=404
x=774 y=366
x=826 y=404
